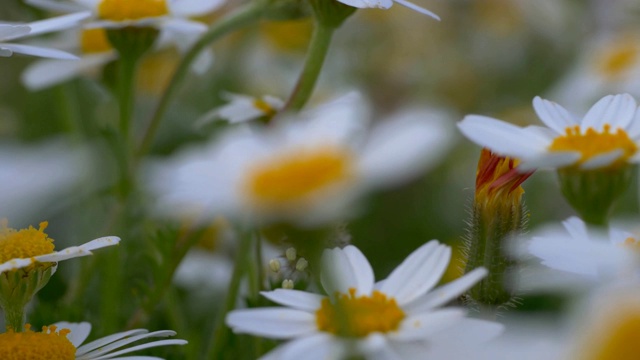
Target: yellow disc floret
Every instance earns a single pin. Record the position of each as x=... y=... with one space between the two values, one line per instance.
x=121 y=10
x=94 y=41
x=618 y=341
x=50 y=344
x=357 y=316
x=24 y=243
x=593 y=143
x=289 y=179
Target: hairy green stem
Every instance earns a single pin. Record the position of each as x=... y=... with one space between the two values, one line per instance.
x=238 y=19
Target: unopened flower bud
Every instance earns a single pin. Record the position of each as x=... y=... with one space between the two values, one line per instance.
x=291 y=254
x=302 y=264
x=287 y=284
x=274 y=265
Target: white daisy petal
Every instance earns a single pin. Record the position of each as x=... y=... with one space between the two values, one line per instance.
x=45 y=73
x=55 y=6
x=381 y=4
x=79 y=331
x=418 y=273
x=113 y=355
x=602 y=160
x=469 y=332
x=446 y=293
x=108 y=340
x=296 y=299
x=346 y=269
x=273 y=323
x=8 y=32
x=421 y=326
x=615 y=110
x=576 y=228
x=192 y=8
x=501 y=137
x=57 y=23
x=549 y=161
x=315 y=347
x=38 y=51
x=417 y=8
x=553 y=115
x=15 y=264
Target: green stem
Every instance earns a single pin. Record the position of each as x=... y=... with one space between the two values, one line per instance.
x=318 y=48
x=126 y=77
x=220 y=332
x=238 y=19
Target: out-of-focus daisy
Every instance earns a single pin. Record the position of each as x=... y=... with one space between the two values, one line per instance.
x=10 y=32
x=241 y=108
x=606 y=137
x=385 y=4
x=63 y=341
x=305 y=169
x=23 y=248
x=594 y=256
x=399 y=317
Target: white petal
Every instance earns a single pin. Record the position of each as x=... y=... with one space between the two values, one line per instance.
x=55 y=6
x=446 y=293
x=501 y=137
x=57 y=23
x=468 y=332
x=38 y=51
x=381 y=4
x=113 y=355
x=633 y=130
x=617 y=111
x=344 y=269
x=77 y=251
x=273 y=323
x=15 y=264
x=553 y=115
x=400 y=149
x=602 y=160
x=550 y=160
x=421 y=326
x=89 y=4
x=320 y=346
x=576 y=228
x=46 y=73
x=296 y=299
x=418 y=273
x=189 y=8
x=8 y=32
x=108 y=340
x=79 y=331
x=417 y=8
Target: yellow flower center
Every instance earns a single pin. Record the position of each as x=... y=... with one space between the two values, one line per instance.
x=352 y=316
x=593 y=143
x=25 y=243
x=264 y=107
x=50 y=344
x=94 y=41
x=619 y=59
x=289 y=179
x=619 y=341
x=120 y=10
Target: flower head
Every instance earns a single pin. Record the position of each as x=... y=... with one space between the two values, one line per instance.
x=607 y=137
x=498 y=180
x=9 y=32
x=375 y=320
x=62 y=341
x=302 y=170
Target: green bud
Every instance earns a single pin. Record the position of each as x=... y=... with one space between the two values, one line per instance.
x=593 y=193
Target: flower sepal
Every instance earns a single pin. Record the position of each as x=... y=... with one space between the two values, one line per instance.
x=331 y=13
x=593 y=193
x=132 y=42
x=17 y=288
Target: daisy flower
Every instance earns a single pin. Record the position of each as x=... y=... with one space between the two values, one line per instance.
x=305 y=169
x=242 y=108
x=386 y=4
x=595 y=257
x=63 y=341
x=10 y=32
x=22 y=248
x=399 y=317
x=606 y=137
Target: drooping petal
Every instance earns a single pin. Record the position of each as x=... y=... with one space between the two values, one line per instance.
x=296 y=299
x=273 y=323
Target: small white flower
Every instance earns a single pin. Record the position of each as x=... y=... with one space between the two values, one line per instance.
x=64 y=340
x=242 y=108
x=385 y=4
x=10 y=32
x=607 y=136
x=22 y=248
x=595 y=257
x=306 y=169
x=398 y=318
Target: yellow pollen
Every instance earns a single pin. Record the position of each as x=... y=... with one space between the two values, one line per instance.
x=264 y=107
x=620 y=59
x=289 y=179
x=24 y=243
x=618 y=341
x=593 y=143
x=94 y=41
x=121 y=10
x=50 y=344
x=352 y=316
